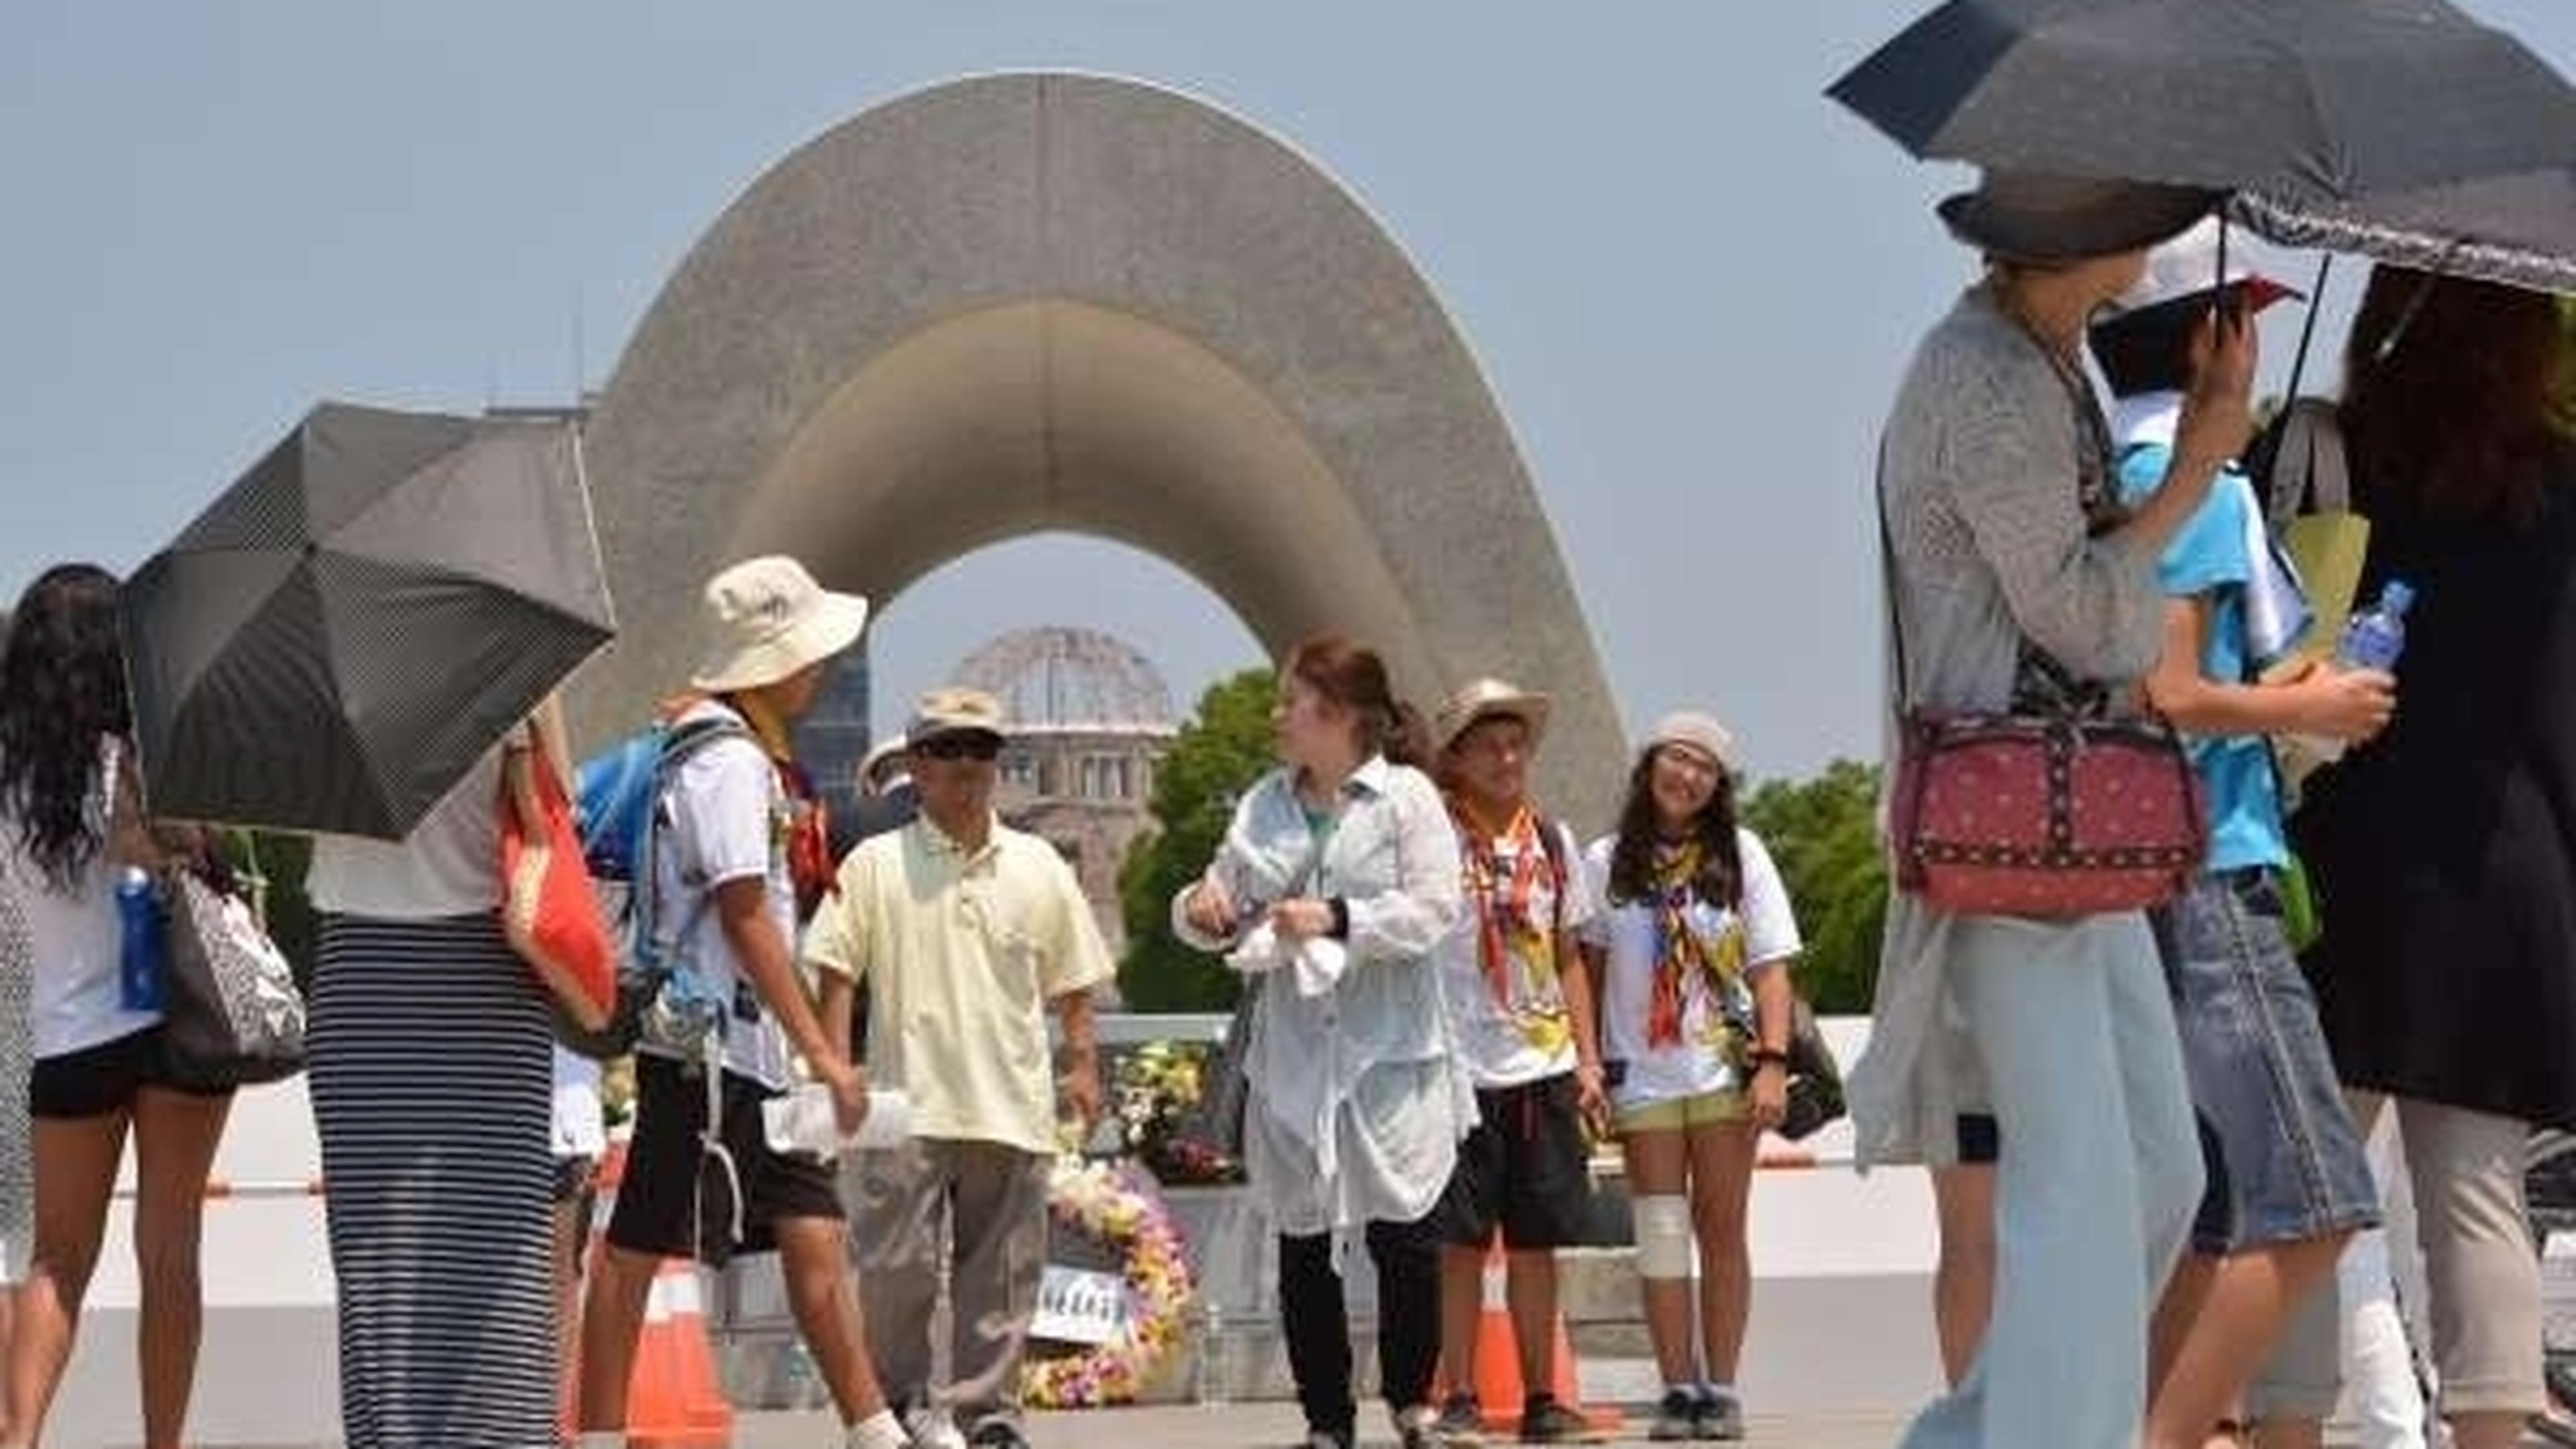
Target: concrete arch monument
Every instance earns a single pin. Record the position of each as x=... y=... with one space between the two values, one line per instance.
x=1036 y=302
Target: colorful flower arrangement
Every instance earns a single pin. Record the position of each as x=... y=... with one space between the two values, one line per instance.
x=1156 y=1100
x=1117 y=1207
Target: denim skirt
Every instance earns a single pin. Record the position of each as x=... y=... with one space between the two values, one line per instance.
x=2285 y=1162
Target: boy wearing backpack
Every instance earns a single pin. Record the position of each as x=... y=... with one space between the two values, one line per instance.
x=739 y=859
x=1520 y=1010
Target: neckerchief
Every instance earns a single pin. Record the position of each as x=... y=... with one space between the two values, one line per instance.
x=1680 y=950
x=1503 y=895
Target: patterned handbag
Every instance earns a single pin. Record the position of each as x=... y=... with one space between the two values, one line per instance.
x=2060 y=807
x=233 y=1016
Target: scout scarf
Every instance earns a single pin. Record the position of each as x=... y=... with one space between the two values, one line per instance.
x=1680 y=950
x=803 y=830
x=1502 y=879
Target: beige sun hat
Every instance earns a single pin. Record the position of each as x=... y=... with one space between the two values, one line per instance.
x=1483 y=699
x=1699 y=732
x=769 y=619
x=954 y=711
x=882 y=764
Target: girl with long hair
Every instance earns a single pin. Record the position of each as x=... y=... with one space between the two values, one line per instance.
x=1336 y=881
x=70 y=820
x=1692 y=949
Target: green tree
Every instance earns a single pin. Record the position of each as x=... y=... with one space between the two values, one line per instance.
x=1214 y=758
x=1823 y=833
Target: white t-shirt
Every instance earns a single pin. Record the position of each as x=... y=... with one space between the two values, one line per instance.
x=78 y=1001
x=1531 y=1036
x=728 y=822
x=450 y=864
x=581 y=1122
x=1625 y=932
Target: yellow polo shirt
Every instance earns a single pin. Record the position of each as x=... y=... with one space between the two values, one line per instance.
x=963 y=952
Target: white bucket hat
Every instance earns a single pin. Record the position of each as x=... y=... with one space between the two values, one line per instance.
x=769 y=619
x=1699 y=732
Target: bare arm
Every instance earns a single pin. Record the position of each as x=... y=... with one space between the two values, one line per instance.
x=2346 y=704
x=1081 y=1057
x=742 y=908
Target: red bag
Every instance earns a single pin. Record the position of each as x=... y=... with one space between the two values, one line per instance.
x=2027 y=815
x=549 y=908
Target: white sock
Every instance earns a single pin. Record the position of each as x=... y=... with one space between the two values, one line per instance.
x=880 y=1430
x=603 y=1439
x=1725 y=1390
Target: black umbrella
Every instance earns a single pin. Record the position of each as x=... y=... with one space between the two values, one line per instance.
x=335 y=642
x=2307 y=101
x=2519 y=230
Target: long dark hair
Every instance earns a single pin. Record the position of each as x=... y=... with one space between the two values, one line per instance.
x=62 y=691
x=2451 y=390
x=1632 y=854
x=1351 y=675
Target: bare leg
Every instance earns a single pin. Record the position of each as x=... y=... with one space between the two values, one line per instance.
x=814 y=1253
x=1657 y=1167
x=1963 y=1281
x=1529 y=1286
x=75 y=1172
x=612 y=1313
x=1721 y=1188
x=175 y=1135
x=2215 y=1355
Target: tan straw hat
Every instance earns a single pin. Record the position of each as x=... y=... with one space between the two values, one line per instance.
x=1484 y=699
x=769 y=619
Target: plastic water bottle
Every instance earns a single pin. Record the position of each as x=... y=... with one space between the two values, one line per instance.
x=2373 y=638
x=1212 y=1389
x=142 y=933
x=801 y=1381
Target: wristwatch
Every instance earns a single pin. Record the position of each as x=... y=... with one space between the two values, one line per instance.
x=1762 y=1057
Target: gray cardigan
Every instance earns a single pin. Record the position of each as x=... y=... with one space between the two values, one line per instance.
x=1979 y=483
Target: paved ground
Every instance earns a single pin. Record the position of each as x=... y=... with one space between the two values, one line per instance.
x=1270 y=1425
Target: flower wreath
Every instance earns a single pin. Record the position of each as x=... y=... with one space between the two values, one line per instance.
x=1101 y=1200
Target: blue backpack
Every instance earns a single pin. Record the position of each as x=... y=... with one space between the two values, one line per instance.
x=618 y=806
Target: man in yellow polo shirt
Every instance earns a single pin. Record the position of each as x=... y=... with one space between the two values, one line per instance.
x=966 y=931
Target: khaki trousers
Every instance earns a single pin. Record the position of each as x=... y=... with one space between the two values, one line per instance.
x=988 y=1203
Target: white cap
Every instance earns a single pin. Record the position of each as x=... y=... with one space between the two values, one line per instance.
x=2188 y=265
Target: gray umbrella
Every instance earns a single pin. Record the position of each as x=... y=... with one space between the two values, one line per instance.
x=2518 y=230
x=334 y=643
x=2306 y=100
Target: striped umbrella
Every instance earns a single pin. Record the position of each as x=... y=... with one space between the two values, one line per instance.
x=338 y=639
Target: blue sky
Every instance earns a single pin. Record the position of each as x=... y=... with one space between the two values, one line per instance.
x=1691 y=280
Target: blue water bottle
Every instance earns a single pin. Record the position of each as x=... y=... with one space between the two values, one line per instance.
x=140 y=944
x=2373 y=638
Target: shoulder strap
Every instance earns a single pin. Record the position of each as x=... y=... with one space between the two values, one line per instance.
x=1550 y=842
x=1887 y=580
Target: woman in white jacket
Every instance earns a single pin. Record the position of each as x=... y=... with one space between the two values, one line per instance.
x=1337 y=877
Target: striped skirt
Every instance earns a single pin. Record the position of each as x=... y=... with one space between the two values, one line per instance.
x=432 y=1085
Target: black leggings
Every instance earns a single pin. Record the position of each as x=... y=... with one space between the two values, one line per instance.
x=1317 y=1325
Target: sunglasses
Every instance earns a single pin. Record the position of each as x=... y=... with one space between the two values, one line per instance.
x=961 y=746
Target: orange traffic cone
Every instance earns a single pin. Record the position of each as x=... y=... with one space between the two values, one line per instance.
x=1497 y=1367
x=674 y=1400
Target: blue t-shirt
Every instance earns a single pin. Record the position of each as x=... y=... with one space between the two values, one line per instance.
x=2208 y=556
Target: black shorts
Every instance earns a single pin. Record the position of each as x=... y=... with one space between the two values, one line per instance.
x=1525 y=1169
x=1981 y=1139
x=657 y=1198
x=95 y=1081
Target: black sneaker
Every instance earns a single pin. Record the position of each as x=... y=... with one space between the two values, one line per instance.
x=1461 y=1421
x=997 y=1434
x=1676 y=1417
x=1546 y=1419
